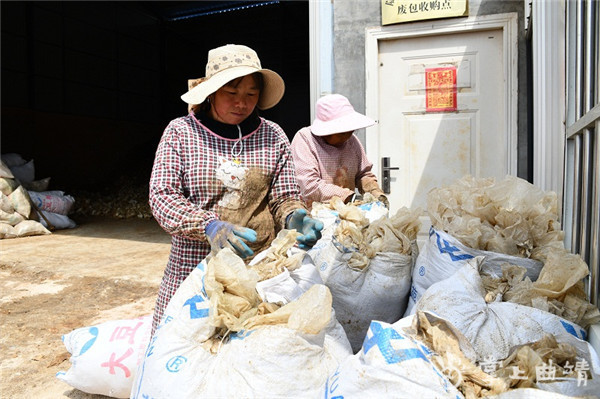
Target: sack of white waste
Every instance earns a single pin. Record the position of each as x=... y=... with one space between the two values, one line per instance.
x=442 y=255
x=367 y=266
x=219 y=339
x=378 y=292
x=21 y=169
x=54 y=201
x=30 y=228
x=56 y=220
x=8 y=185
x=559 y=288
x=508 y=220
x=5 y=173
x=390 y=364
x=530 y=393
x=510 y=216
x=7 y=231
x=492 y=329
x=20 y=201
x=104 y=357
x=360 y=213
x=546 y=365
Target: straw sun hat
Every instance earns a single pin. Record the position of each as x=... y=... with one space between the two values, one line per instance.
x=335 y=114
x=229 y=62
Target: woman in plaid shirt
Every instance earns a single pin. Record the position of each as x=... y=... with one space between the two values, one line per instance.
x=222 y=175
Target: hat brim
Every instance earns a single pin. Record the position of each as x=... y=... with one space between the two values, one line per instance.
x=346 y=123
x=271 y=94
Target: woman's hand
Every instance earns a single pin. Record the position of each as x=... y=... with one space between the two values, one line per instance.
x=309 y=228
x=223 y=234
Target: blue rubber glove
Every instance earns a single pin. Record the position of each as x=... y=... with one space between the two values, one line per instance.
x=223 y=234
x=309 y=228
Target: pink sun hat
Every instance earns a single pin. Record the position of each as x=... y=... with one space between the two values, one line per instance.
x=335 y=114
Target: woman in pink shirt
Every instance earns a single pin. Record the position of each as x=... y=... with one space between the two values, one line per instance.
x=329 y=159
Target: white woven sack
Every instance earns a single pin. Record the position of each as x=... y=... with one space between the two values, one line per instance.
x=378 y=292
x=52 y=201
x=24 y=173
x=288 y=285
x=270 y=361
x=105 y=357
x=442 y=255
x=493 y=329
x=390 y=365
x=5 y=172
x=57 y=220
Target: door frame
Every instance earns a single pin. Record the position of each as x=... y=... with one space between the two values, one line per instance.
x=507 y=22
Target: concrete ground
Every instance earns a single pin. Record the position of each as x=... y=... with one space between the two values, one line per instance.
x=105 y=269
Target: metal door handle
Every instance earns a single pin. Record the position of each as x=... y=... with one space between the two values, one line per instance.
x=385 y=171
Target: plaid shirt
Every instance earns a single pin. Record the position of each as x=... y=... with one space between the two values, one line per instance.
x=325 y=171
x=187 y=192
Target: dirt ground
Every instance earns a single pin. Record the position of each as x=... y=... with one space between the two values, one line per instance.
x=105 y=269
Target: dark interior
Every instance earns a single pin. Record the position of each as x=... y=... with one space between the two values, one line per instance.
x=88 y=87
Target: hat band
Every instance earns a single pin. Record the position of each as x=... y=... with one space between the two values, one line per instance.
x=228 y=62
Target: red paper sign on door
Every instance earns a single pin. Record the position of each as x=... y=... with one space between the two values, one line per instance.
x=440 y=89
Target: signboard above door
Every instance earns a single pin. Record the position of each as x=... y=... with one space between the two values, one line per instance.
x=397 y=11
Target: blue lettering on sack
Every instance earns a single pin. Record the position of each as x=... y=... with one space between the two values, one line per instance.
x=94 y=332
x=150 y=350
x=176 y=363
x=413 y=293
x=382 y=337
x=422 y=271
x=167 y=320
x=571 y=330
x=196 y=313
x=451 y=250
x=331 y=388
x=323 y=266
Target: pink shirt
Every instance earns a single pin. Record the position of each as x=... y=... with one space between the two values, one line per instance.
x=324 y=171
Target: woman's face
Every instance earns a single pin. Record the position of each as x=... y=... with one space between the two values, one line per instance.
x=337 y=139
x=235 y=101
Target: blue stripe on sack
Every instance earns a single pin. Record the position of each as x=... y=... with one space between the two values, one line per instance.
x=382 y=337
x=94 y=332
x=203 y=285
x=451 y=250
x=570 y=328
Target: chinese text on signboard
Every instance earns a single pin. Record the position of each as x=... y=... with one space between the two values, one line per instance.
x=396 y=11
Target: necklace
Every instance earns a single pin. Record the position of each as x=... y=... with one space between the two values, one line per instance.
x=236 y=153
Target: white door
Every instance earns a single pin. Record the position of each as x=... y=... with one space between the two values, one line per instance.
x=434 y=135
